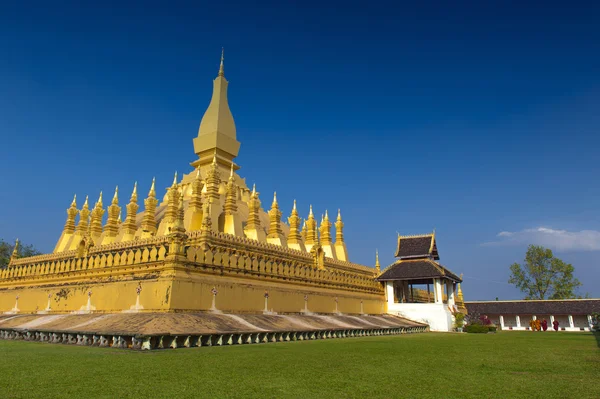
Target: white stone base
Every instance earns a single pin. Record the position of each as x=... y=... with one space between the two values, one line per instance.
x=437 y=315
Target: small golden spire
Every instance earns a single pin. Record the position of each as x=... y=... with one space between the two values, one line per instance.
x=174 y=180
x=74 y=203
x=119 y=219
x=377 y=265
x=221 y=67
x=231 y=171
x=15 y=252
x=99 y=203
x=85 y=204
x=134 y=196
x=214 y=161
x=254 y=190
x=198 y=173
x=274 y=198
x=152 y=191
x=322 y=219
x=115 y=199
x=310 y=212
x=294 y=208
x=339 y=217
x=326 y=215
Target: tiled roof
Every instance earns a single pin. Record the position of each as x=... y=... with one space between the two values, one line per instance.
x=536 y=307
x=417 y=247
x=417 y=269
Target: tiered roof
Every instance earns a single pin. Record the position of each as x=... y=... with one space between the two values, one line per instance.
x=418 y=256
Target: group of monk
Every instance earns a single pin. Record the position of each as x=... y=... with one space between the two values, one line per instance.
x=537 y=325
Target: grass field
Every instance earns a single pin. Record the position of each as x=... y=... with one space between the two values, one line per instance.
x=503 y=365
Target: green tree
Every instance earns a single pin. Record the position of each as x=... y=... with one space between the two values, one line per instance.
x=543 y=276
x=6 y=250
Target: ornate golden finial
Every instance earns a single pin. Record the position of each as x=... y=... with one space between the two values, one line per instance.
x=325 y=229
x=172 y=202
x=152 y=191
x=214 y=161
x=71 y=215
x=311 y=228
x=197 y=189
x=221 y=67
x=15 y=252
x=254 y=190
x=377 y=265
x=115 y=199
x=84 y=213
x=119 y=219
x=114 y=212
x=274 y=219
x=294 y=237
x=230 y=206
x=134 y=193
x=96 y=219
x=339 y=229
x=149 y=220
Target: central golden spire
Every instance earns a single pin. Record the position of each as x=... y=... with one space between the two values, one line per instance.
x=217 y=133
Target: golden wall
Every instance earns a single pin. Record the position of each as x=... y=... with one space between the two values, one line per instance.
x=241 y=271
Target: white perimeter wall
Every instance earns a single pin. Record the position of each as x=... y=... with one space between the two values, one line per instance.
x=437 y=315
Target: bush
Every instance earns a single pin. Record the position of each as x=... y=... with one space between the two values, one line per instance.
x=476 y=329
x=459 y=320
x=479 y=329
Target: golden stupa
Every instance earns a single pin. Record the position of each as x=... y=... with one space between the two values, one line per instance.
x=207 y=234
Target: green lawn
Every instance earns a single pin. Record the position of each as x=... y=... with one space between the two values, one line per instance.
x=503 y=365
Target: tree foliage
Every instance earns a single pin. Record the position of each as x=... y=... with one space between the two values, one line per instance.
x=6 y=250
x=544 y=276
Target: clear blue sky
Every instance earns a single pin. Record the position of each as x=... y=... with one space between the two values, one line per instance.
x=474 y=119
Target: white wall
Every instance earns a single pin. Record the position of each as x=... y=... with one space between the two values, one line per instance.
x=438 y=316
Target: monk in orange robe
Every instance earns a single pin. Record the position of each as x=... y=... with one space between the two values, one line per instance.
x=538 y=325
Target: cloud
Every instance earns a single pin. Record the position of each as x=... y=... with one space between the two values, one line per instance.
x=561 y=240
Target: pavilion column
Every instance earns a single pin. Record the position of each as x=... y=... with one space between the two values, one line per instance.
x=501 y=322
x=590 y=324
x=389 y=289
x=551 y=320
x=571 y=324
x=437 y=289
x=451 y=289
x=518 y=320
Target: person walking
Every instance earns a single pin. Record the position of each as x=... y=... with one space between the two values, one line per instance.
x=555 y=324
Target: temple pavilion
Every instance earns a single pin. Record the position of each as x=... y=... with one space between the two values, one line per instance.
x=417 y=286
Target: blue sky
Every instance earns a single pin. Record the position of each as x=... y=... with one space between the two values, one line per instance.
x=478 y=120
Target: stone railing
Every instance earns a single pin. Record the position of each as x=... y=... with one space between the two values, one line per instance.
x=268 y=265
x=110 y=256
x=222 y=239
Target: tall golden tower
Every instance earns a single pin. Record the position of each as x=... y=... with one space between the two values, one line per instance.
x=217 y=133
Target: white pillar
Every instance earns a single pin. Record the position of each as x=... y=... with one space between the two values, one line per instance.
x=451 y=287
x=389 y=289
x=571 y=324
x=518 y=320
x=552 y=320
x=590 y=325
x=501 y=322
x=437 y=283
